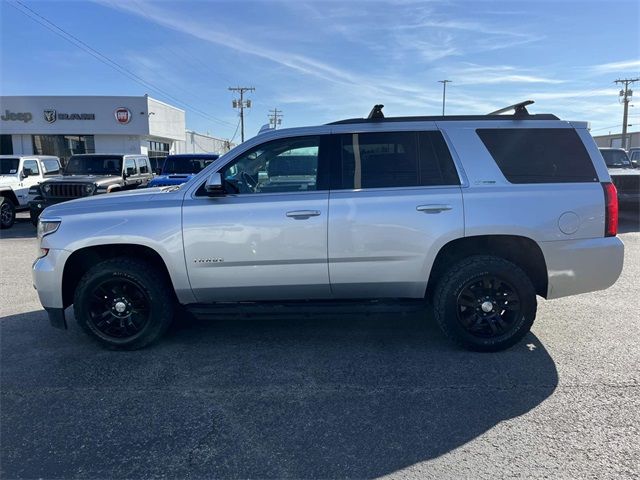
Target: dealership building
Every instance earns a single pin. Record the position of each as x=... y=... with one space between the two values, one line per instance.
x=64 y=125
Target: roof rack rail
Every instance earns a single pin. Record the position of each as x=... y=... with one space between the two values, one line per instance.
x=518 y=108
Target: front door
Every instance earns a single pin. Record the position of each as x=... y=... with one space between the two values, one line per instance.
x=266 y=238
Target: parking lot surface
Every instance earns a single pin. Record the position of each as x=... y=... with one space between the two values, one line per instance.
x=356 y=396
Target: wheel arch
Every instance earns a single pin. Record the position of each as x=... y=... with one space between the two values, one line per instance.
x=81 y=260
x=10 y=195
x=522 y=251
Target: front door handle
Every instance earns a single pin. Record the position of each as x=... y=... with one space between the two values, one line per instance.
x=433 y=208
x=303 y=214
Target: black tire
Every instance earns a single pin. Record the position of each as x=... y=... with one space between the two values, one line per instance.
x=7 y=213
x=146 y=294
x=467 y=289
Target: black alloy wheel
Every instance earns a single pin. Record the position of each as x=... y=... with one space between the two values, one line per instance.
x=119 y=308
x=488 y=306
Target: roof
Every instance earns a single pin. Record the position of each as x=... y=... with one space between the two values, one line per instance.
x=448 y=118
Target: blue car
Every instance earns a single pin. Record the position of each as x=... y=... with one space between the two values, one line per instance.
x=178 y=169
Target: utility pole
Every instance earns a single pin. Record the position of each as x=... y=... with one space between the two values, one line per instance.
x=444 y=92
x=626 y=94
x=275 y=117
x=241 y=104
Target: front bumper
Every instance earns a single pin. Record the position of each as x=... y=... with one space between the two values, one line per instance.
x=580 y=266
x=46 y=273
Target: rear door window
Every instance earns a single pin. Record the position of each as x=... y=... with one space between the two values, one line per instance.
x=142 y=165
x=539 y=155
x=394 y=159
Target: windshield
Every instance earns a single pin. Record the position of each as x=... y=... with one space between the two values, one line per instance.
x=616 y=158
x=94 y=165
x=185 y=165
x=9 y=166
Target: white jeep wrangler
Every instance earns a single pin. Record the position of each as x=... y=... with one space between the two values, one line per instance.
x=17 y=175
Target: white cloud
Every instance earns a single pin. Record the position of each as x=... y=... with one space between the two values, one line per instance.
x=617 y=67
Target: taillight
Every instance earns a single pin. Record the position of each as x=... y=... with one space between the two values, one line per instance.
x=610 y=209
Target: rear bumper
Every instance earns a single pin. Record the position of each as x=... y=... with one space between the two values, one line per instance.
x=580 y=266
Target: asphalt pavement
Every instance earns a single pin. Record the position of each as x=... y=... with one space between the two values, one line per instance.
x=359 y=396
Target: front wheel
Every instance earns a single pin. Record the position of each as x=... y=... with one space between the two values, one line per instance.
x=124 y=303
x=7 y=213
x=485 y=303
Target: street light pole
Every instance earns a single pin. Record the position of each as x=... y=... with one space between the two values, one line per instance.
x=444 y=92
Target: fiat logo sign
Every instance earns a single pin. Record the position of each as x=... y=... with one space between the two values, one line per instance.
x=123 y=115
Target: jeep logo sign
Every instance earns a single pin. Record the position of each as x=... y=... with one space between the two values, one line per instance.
x=123 y=115
x=16 y=117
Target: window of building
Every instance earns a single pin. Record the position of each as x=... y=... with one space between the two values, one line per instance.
x=6 y=145
x=539 y=155
x=157 y=153
x=395 y=159
x=63 y=146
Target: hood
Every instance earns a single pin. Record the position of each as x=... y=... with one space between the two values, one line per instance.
x=125 y=200
x=9 y=179
x=99 y=179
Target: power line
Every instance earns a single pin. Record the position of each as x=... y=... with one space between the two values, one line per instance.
x=241 y=104
x=626 y=94
x=36 y=17
x=275 y=117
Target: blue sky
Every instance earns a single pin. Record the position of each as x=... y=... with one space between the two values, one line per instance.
x=323 y=61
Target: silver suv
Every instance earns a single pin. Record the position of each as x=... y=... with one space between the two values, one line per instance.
x=475 y=215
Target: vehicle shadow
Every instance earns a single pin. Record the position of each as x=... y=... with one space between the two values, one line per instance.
x=629 y=221
x=352 y=397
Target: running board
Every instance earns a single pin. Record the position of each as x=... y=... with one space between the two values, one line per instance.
x=304 y=308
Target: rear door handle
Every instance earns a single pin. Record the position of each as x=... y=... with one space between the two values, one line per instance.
x=433 y=208
x=303 y=214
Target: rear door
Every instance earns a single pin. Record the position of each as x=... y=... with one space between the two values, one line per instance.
x=395 y=200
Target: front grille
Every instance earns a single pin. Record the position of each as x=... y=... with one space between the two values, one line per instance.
x=67 y=190
x=626 y=183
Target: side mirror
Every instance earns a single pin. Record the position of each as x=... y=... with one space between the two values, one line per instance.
x=634 y=163
x=213 y=186
x=26 y=172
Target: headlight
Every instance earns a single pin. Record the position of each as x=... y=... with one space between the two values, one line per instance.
x=46 y=227
x=89 y=188
x=46 y=188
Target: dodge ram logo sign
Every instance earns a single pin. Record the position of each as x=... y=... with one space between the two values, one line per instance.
x=50 y=116
x=123 y=115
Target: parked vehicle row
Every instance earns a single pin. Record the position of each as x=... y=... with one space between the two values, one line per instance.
x=625 y=175
x=36 y=182
x=478 y=214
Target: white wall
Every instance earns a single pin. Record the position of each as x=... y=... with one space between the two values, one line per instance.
x=165 y=121
x=198 y=143
x=22 y=144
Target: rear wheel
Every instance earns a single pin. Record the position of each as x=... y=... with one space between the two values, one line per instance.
x=485 y=303
x=124 y=303
x=7 y=212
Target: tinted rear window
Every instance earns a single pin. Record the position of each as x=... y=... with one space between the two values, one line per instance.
x=539 y=155
x=395 y=159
